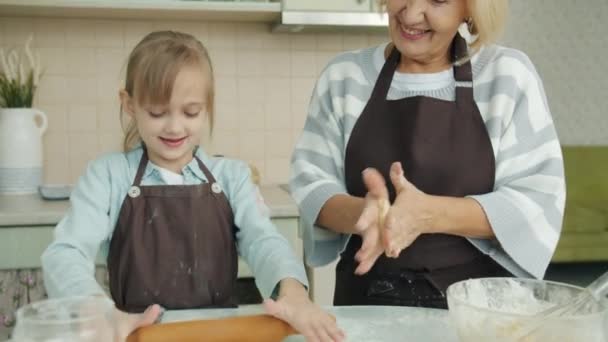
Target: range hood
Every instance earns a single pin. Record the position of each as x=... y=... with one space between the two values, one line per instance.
x=297 y=21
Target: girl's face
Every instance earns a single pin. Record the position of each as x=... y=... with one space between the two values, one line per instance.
x=171 y=131
x=423 y=30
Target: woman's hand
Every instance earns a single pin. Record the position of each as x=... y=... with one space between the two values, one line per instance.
x=371 y=221
x=294 y=307
x=408 y=217
x=125 y=323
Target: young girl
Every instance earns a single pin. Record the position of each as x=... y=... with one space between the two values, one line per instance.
x=170 y=219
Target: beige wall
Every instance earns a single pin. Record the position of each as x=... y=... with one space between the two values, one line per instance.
x=264 y=82
x=263 y=90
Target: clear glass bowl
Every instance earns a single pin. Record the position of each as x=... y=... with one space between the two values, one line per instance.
x=83 y=319
x=492 y=309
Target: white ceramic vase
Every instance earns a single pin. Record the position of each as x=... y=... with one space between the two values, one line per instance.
x=21 y=131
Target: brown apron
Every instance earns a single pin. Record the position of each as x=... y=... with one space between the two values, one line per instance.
x=173 y=245
x=445 y=150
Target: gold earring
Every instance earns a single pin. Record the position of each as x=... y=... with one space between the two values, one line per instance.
x=470 y=24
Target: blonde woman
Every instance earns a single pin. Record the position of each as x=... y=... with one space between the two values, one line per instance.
x=171 y=219
x=429 y=160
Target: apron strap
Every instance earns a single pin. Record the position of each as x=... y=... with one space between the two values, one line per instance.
x=383 y=84
x=143 y=162
x=463 y=74
x=205 y=170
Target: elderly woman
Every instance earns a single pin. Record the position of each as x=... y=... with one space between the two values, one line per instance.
x=429 y=160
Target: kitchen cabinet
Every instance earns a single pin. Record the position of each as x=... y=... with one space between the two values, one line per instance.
x=22 y=246
x=242 y=10
x=321 y=15
x=328 y=6
x=27 y=223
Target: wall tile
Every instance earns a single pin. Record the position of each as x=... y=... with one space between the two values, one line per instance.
x=225 y=142
x=223 y=61
x=251 y=90
x=56 y=158
x=299 y=112
x=355 y=42
x=222 y=35
x=226 y=116
x=111 y=62
x=277 y=170
x=251 y=35
x=330 y=42
x=322 y=59
x=54 y=60
x=278 y=143
x=57 y=117
x=81 y=61
x=83 y=148
x=252 y=116
x=50 y=33
x=82 y=90
x=264 y=80
x=195 y=28
x=110 y=33
x=52 y=90
x=80 y=33
x=109 y=142
x=135 y=31
x=2 y=39
x=378 y=38
x=107 y=89
x=303 y=64
x=82 y=118
x=276 y=63
x=17 y=30
x=251 y=144
x=250 y=63
x=108 y=118
x=301 y=89
x=226 y=89
x=303 y=42
x=277 y=41
x=278 y=104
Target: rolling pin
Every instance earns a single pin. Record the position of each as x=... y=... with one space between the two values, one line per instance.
x=254 y=328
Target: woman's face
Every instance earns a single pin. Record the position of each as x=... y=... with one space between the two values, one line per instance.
x=423 y=30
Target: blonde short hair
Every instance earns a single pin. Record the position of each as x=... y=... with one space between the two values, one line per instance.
x=152 y=68
x=488 y=19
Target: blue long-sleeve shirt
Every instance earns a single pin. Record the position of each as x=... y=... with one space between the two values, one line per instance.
x=68 y=262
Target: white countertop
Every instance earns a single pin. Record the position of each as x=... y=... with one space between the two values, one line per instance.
x=32 y=210
x=360 y=323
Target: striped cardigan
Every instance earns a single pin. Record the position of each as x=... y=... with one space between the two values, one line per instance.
x=526 y=207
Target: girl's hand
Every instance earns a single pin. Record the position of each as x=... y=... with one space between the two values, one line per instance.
x=408 y=217
x=294 y=307
x=125 y=323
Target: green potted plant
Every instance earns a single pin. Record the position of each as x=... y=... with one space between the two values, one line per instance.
x=21 y=126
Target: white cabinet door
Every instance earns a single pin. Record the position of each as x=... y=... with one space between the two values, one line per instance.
x=328 y=5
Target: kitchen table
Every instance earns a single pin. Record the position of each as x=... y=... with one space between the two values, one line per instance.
x=360 y=323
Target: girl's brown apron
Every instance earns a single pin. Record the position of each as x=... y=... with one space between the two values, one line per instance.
x=173 y=245
x=445 y=150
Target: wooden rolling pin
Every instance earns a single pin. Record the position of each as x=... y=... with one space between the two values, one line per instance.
x=255 y=328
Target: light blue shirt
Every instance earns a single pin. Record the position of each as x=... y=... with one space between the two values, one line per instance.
x=68 y=262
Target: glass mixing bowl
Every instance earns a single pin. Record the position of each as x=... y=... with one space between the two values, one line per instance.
x=494 y=309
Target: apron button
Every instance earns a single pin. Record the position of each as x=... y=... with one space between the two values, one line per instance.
x=134 y=192
x=216 y=188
